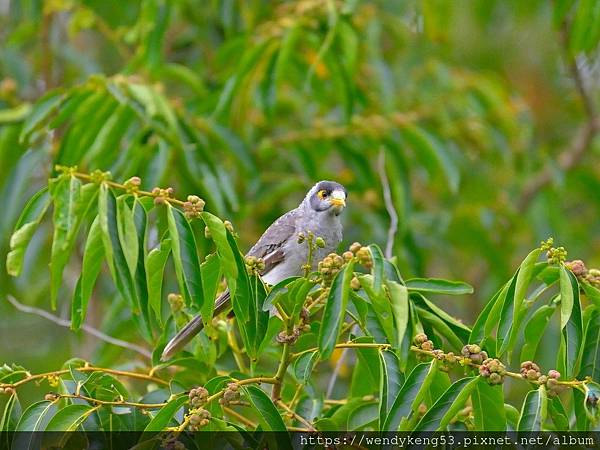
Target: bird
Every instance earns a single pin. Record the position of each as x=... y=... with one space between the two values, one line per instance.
x=284 y=255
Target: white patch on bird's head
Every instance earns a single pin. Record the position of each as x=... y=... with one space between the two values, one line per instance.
x=327 y=196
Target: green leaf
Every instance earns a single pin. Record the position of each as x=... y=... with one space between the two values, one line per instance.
x=403 y=403
x=592 y=293
x=10 y=414
x=382 y=307
x=441 y=327
x=533 y=413
x=557 y=413
x=41 y=111
x=448 y=405
x=438 y=286
x=478 y=331
x=269 y=417
x=185 y=256
x=36 y=417
x=534 y=330
x=524 y=277
x=218 y=234
x=363 y=416
x=566 y=297
x=378 y=269
x=457 y=327
x=92 y=263
x=390 y=382
x=107 y=213
x=488 y=407
x=335 y=311
x=28 y=222
x=155 y=267
x=572 y=330
x=423 y=393
x=69 y=418
x=165 y=415
x=211 y=277
x=127 y=233
x=304 y=365
x=506 y=319
x=590 y=361
x=399 y=302
x=71 y=204
x=242 y=302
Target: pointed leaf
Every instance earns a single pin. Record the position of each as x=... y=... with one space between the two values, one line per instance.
x=155 y=267
x=403 y=403
x=303 y=366
x=533 y=413
x=335 y=311
x=438 y=286
x=488 y=407
x=164 y=416
x=28 y=222
x=185 y=256
x=448 y=405
x=92 y=263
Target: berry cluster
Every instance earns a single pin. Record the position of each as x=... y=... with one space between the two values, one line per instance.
x=193 y=207
x=591 y=276
x=254 y=265
x=175 y=301
x=198 y=397
x=161 y=195
x=198 y=419
x=422 y=341
x=98 y=176
x=530 y=371
x=132 y=186
x=556 y=255
x=493 y=370
x=474 y=353
x=329 y=267
x=231 y=394
x=363 y=255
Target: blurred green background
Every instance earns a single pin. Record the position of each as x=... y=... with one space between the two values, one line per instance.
x=480 y=115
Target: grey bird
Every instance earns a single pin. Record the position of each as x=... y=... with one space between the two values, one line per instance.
x=283 y=255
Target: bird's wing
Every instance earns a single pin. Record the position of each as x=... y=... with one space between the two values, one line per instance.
x=271 y=244
x=269 y=247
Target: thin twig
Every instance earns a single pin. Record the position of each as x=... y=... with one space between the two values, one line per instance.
x=296 y=416
x=582 y=140
x=239 y=417
x=389 y=205
x=88 y=329
x=123 y=403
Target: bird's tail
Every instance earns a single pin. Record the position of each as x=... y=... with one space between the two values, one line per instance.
x=192 y=328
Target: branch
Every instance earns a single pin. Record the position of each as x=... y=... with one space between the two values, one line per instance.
x=389 y=205
x=88 y=329
x=575 y=152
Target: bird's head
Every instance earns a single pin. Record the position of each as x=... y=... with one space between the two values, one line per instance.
x=327 y=196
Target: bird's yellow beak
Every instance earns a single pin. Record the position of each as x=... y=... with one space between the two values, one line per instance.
x=338 y=202
x=338 y=199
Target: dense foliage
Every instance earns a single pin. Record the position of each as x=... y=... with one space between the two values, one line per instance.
x=457 y=161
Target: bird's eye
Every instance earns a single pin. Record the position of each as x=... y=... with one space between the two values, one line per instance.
x=322 y=194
